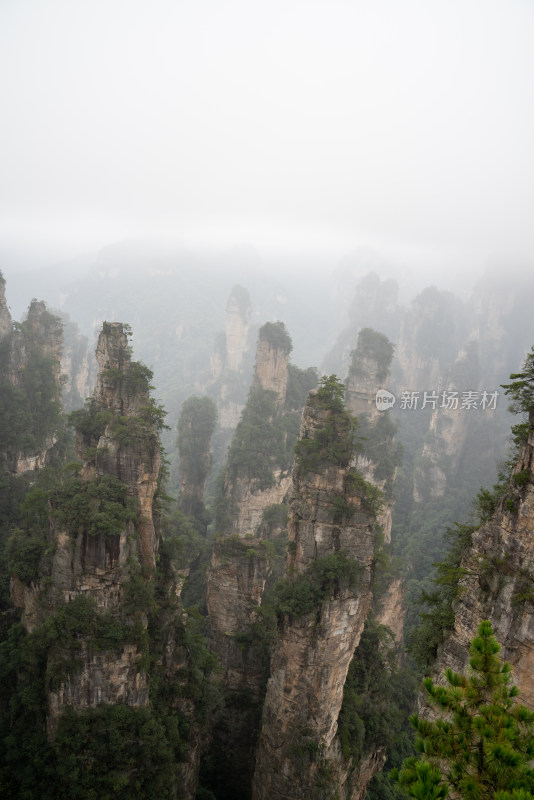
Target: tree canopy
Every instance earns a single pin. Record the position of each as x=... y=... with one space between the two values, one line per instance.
x=480 y=746
x=521 y=388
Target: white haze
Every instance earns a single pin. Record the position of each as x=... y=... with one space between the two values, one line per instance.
x=297 y=126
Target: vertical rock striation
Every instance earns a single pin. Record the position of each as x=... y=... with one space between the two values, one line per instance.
x=497 y=582
x=251 y=521
x=369 y=371
x=272 y=358
x=30 y=383
x=231 y=360
x=104 y=539
x=375 y=305
x=449 y=427
x=129 y=448
x=240 y=566
x=431 y=334
x=78 y=366
x=331 y=548
x=237 y=327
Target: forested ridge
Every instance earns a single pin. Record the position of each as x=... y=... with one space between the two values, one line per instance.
x=73 y=483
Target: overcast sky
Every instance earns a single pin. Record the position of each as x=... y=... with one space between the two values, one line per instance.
x=323 y=124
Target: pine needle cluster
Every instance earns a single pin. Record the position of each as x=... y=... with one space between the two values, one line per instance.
x=480 y=747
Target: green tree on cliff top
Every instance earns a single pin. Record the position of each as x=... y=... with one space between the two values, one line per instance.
x=521 y=388
x=480 y=747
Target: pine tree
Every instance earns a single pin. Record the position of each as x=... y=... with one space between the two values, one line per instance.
x=480 y=747
x=521 y=388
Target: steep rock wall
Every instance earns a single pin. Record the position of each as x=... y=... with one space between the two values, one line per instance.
x=375 y=305
x=236 y=580
x=230 y=363
x=78 y=366
x=30 y=377
x=95 y=565
x=498 y=583
x=368 y=373
x=237 y=327
x=431 y=334
x=271 y=368
x=449 y=427
x=298 y=754
x=243 y=556
x=5 y=316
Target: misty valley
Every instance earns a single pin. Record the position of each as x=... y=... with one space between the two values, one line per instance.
x=245 y=514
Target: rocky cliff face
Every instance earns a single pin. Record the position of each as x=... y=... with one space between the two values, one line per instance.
x=46 y=329
x=237 y=576
x=449 y=426
x=196 y=425
x=271 y=367
x=231 y=360
x=431 y=334
x=78 y=367
x=362 y=384
x=368 y=373
x=30 y=375
x=5 y=316
x=101 y=545
x=256 y=483
x=392 y=609
x=498 y=582
x=298 y=754
x=237 y=327
x=132 y=456
x=375 y=305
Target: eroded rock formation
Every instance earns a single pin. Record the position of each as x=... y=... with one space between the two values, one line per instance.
x=231 y=360
x=240 y=565
x=78 y=367
x=250 y=526
x=329 y=523
x=497 y=582
x=103 y=536
x=30 y=378
x=196 y=425
x=368 y=373
x=450 y=426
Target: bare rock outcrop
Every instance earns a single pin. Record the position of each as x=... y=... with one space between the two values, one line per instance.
x=431 y=334
x=272 y=358
x=449 y=426
x=103 y=535
x=392 y=609
x=237 y=327
x=230 y=364
x=298 y=753
x=498 y=582
x=368 y=373
x=240 y=566
x=250 y=527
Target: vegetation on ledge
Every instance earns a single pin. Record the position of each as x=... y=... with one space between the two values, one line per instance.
x=333 y=442
x=276 y=335
x=300 y=594
x=375 y=346
x=29 y=412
